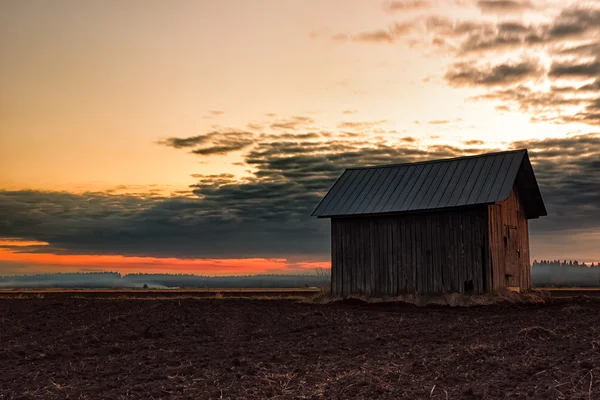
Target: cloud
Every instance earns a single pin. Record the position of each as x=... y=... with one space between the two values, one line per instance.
x=191 y=141
x=532 y=101
x=254 y=126
x=503 y=6
x=409 y=139
x=560 y=105
x=467 y=74
x=292 y=123
x=574 y=22
x=438 y=122
x=503 y=36
x=583 y=50
x=584 y=70
x=266 y=213
x=445 y=26
x=474 y=142
x=216 y=142
x=577 y=22
x=568 y=171
x=408 y=5
x=479 y=36
x=360 y=125
x=223 y=149
x=390 y=35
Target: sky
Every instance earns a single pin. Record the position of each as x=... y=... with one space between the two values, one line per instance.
x=198 y=136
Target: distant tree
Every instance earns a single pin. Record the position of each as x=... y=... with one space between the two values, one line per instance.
x=145 y=286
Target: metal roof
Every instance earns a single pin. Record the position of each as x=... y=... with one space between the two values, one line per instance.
x=429 y=185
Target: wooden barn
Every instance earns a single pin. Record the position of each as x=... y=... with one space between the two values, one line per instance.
x=453 y=225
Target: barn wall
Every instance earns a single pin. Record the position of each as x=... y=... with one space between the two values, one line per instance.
x=509 y=244
x=418 y=253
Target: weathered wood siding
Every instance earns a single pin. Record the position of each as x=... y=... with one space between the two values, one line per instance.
x=416 y=253
x=509 y=244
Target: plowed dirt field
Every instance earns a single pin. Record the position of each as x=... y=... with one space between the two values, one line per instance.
x=86 y=348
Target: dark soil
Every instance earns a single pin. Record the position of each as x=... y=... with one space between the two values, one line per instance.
x=254 y=349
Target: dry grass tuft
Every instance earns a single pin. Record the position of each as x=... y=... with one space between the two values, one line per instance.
x=537 y=332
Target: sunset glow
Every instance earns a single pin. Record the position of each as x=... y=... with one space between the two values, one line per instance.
x=49 y=263
x=197 y=136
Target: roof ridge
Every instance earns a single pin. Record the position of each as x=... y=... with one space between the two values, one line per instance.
x=439 y=160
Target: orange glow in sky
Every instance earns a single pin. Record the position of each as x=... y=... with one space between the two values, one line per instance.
x=35 y=262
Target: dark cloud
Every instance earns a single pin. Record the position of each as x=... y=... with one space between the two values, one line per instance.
x=409 y=139
x=594 y=86
x=503 y=36
x=568 y=171
x=232 y=145
x=300 y=136
x=215 y=142
x=266 y=213
x=468 y=74
x=503 y=6
x=575 y=23
x=191 y=141
x=584 y=70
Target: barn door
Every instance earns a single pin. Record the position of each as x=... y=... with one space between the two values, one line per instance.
x=511 y=256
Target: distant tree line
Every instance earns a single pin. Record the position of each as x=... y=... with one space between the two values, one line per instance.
x=556 y=273
x=103 y=280
x=564 y=263
x=544 y=273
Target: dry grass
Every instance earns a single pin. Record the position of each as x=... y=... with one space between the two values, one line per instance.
x=23 y=296
x=537 y=332
x=451 y=299
x=325 y=297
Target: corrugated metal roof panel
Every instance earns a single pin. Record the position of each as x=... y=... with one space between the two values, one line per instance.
x=456 y=182
x=443 y=185
x=483 y=178
x=434 y=187
x=392 y=186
